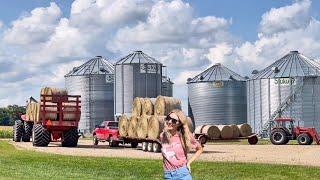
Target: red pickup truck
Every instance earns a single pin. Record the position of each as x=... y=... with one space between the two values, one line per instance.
x=106 y=131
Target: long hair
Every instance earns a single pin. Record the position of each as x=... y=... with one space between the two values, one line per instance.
x=183 y=130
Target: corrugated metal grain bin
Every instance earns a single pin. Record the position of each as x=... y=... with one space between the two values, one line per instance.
x=217 y=96
x=136 y=75
x=94 y=81
x=290 y=87
x=167 y=87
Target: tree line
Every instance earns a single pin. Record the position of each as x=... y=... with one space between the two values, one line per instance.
x=10 y=113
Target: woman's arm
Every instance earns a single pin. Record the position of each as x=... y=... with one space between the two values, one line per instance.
x=199 y=150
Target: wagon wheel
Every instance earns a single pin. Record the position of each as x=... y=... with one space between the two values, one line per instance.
x=253 y=140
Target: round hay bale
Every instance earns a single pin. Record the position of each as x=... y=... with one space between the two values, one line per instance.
x=163 y=105
x=33 y=112
x=123 y=125
x=226 y=131
x=212 y=131
x=148 y=106
x=198 y=129
x=132 y=128
x=137 y=106
x=142 y=129
x=155 y=126
x=68 y=111
x=245 y=129
x=235 y=130
x=52 y=91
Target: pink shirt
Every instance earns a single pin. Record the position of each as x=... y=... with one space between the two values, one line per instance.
x=173 y=154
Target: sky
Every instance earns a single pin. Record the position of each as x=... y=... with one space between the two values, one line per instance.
x=42 y=40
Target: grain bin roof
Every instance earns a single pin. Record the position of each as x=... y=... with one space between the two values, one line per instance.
x=137 y=57
x=216 y=72
x=96 y=65
x=294 y=64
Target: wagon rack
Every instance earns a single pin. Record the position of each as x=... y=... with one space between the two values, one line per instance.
x=203 y=138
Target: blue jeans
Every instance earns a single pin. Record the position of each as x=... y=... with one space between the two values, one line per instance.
x=181 y=173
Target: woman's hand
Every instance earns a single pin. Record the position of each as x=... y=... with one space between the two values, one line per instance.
x=189 y=167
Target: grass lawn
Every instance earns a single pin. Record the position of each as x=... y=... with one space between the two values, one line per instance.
x=23 y=164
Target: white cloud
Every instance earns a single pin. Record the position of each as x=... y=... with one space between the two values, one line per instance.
x=36 y=27
x=286 y=18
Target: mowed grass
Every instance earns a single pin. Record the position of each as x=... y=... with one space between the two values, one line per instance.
x=23 y=164
x=6 y=131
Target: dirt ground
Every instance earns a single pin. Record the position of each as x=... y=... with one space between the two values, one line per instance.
x=285 y=154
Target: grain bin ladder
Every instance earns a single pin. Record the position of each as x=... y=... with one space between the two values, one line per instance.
x=265 y=132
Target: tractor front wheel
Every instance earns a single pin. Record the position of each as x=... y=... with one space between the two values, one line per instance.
x=304 y=139
x=278 y=137
x=70 y=138
x=40 y=135
x=18 y=130
x=95 y=140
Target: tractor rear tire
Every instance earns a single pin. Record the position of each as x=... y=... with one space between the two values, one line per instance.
x=134 y=144
x=27 y=131
x=144 y=146
x=18 y=130
x=278 y=137
x=304 y=139
x=311 y=141
x=40 y=135
x=156 y=147
x=150 y=147
x=70 y=138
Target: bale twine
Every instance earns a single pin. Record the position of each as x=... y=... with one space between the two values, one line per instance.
x=245 y=129
x=198 y=129
x=52 y=91
x=235 y=130
x=142 y=129
x=132 y=128
x=137 y=106
x=226 y=131
x=212 y=131
x=123 y=125
x=155 y=126
x=148 y=106
x=163 y=105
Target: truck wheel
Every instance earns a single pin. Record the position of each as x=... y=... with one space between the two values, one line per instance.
x=27 y=131
x=156 y=147
x=253 y=140
x=70 y=138
x=134 y=144
x=95 y=140
x=278 y=137
x=304 y=139
x=144 y=146
x=150 y=147
x=113 y=143
x=40 y=135
x=18 y=130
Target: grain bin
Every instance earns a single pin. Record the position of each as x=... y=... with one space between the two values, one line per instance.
x=290 y=87
x=167 y=86
x=217 y=96
x=136 y=75
x=94 y=81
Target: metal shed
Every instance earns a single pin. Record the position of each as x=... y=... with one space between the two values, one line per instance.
x=217 y=96
x=94 y=81
x=289 y=87
x=136 y=75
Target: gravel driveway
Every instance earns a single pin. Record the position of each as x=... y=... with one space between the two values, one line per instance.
x=284 y=154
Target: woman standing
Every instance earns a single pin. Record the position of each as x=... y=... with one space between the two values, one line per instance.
x=177 y=140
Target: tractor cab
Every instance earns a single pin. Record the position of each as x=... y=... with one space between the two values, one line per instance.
x=287 y=124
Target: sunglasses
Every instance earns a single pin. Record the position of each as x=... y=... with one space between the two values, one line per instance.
x=174 y=121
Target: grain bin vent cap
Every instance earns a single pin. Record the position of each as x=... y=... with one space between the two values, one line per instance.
x=294 y=64
x=138 y=57
x=96 y=65
x=217 y=72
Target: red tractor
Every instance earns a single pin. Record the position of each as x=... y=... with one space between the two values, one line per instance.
x=106 y=131
x=64 y=111
x=284 y=131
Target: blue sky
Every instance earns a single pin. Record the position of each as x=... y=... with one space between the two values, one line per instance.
x=46 y=39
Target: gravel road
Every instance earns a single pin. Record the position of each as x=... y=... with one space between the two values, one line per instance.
x=285 y=154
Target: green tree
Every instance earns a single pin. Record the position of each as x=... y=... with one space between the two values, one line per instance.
x=10 y=113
